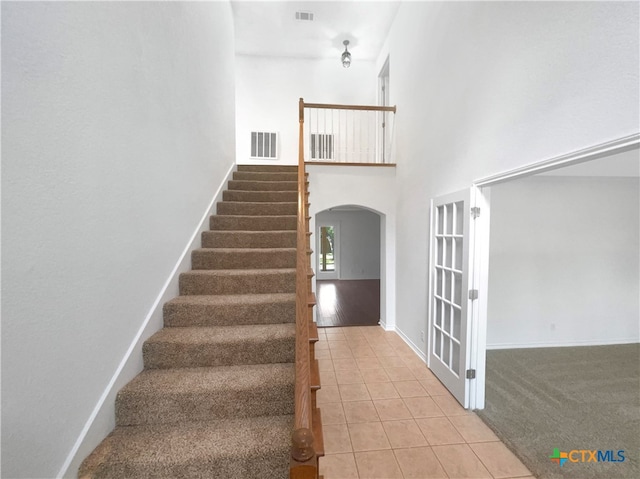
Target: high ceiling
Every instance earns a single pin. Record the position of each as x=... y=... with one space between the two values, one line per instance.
x=270 y=28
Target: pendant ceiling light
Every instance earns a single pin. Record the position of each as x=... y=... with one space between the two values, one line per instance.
x=346 y=56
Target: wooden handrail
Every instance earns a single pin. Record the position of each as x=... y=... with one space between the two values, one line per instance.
x=304 y=463
x=329 y=106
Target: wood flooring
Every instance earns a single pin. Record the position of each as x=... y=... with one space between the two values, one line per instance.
x=348 y=302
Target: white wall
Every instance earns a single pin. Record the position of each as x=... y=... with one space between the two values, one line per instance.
x=372 y=188
x=564 y=265
x=485 y=87
x=359 y=237
x=118 y=128
x=268 y=91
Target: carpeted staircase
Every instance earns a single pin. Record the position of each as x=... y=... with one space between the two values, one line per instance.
x=216 y=397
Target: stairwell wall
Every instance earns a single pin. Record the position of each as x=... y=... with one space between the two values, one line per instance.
x=117 y=130
x=486 y=87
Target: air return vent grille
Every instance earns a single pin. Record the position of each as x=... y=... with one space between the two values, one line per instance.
x=304 y=16
x=264 y=145
x=321 y=146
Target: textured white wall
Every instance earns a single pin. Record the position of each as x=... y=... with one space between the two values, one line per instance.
x=268 y=91
x=485 y=87
x=564 y=262
x=117 y=129
x=369 y=187
x=359 y=248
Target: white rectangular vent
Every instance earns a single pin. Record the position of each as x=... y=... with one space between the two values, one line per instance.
x=264 y=145
x=321 y=146
x=304 y=16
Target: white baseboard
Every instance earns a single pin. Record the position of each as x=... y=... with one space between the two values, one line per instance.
x=102 y=418
x=412 y=345
x=563 y=344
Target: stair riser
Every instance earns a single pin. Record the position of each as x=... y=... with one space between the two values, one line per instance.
x=263 y=176
x=212 y=259
x=166 y=407
x=269 y=169
x=186 y=315
x=191 y=283
x=257 y=209
x=253 y=223
x=246 y=185
x=261 y=196
x=240 y=239
x=187 y=355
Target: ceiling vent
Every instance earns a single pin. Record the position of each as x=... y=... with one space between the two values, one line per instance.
x=304 y=16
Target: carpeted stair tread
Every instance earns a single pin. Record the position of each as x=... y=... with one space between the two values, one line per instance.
x=251 y=448
x=232 y=309
x=245 y=208
x=249 y=239
x=202 y=394
x=269 y=168
x=193 y=347
x=236 y=258
x=238 y=281
x=253 y=223
x=252 y=185
x=265 y=176
x=260 y=196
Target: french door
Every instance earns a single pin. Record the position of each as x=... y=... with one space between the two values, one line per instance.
x=451 y=296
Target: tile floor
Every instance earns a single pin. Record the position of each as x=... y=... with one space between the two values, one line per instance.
x=386 y=416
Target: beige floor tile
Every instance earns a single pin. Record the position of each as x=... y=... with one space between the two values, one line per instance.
x=322 y=354
x=413 y=361
x=332 y=334
x=359 y=411
x=354 y=392
x=363 y=352
x=328 y=394
x=328 y=377
x=339 y=466
x=341 y=353
x=472 y=429
x=368 y=436
x=405 y=433
x=500 y=461
x=345 y=363
x=322 y=344
x=336 y=438
x=391 y=409
x=385 y=351
x=459 y=461
x=335 y=344
x=392 y=362
x=348 y=376
x=378 y=465
x=332 y=413
x=439 y=431
x=422 y=373
x=375 y=376
x=325 y=364
x=434 y=387
x=423 y=407
x=368 y=363
x=408 y=389
x=449 y=405
x=419 y=463
x=382 y=391
x=400 y=374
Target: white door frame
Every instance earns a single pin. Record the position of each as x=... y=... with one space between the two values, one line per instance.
x=480 y=273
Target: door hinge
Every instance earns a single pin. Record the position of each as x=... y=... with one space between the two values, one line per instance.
x=473 y=294
x=475 y=212
x=471 y=373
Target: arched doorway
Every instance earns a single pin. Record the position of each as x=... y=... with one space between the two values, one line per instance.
x=348 y=266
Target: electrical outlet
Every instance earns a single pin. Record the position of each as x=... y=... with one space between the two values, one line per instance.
x=422 y=336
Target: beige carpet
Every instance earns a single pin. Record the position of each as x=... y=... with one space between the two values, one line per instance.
x=216 y=397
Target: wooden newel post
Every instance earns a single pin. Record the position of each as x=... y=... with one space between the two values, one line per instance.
x=302 y=445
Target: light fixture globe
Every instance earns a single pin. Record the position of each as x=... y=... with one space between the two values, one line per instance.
x=346 y=56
